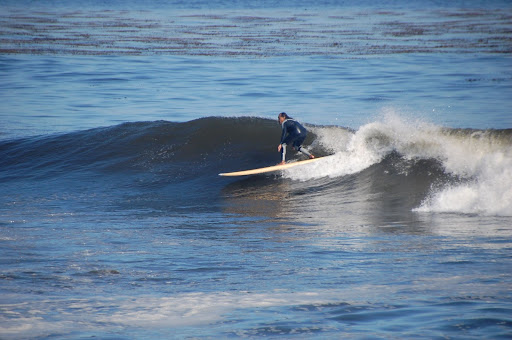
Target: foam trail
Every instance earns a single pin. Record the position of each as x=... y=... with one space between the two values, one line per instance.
x=351 y=154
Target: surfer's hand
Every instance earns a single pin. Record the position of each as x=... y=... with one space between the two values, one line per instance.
x=279 y=147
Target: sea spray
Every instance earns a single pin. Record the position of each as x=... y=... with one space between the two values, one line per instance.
x=486 y=163
x=354 y=151
x=478 y=161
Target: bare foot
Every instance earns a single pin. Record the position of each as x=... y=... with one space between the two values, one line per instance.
x=311 y=156
x=282 y=163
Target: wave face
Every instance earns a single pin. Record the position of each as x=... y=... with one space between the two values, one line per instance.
x=420 y=166
x=183 y=150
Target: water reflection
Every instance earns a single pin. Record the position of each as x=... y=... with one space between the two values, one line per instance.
x=357 y=200
x=258 y=196
x=380 y=199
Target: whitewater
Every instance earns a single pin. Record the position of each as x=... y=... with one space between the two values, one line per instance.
x=479 y=160
x=117 y=117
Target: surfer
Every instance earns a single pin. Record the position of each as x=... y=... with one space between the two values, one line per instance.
x=294 y=133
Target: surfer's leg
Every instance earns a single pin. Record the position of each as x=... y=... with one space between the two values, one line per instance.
x=298 y=145
x=305 y=151
x=283 y=152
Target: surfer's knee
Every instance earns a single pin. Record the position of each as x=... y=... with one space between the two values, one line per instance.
x=304 y=151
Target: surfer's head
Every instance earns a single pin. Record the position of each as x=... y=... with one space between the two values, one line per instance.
x=282 y=117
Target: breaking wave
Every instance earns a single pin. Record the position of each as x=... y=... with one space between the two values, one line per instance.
x=478 y=162
x=465 y=171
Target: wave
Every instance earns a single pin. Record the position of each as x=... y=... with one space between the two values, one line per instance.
x=177 y=148
x=464 y=170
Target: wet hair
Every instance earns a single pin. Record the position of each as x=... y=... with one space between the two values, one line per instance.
x=284 y=115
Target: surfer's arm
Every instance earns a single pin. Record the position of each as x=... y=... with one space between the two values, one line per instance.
x=282 y=149
x=283 y=134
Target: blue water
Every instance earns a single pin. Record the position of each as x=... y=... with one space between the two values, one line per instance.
x=115 y=120
x=50 y=94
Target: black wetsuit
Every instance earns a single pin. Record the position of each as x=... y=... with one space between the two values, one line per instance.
x=293 y=132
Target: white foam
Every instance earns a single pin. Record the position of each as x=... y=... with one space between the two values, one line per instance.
x=480 y=159
x=195 y=309
x=144 y=312
x=351 y=154
x=489 y=193
x=356 y=151
x=121 y=314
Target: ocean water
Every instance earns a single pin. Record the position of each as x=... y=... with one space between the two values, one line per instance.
x=116 y=118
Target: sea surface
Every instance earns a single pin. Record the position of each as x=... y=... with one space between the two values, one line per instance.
x=116 y=118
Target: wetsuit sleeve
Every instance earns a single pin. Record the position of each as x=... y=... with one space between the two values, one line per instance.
x=283 y=134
